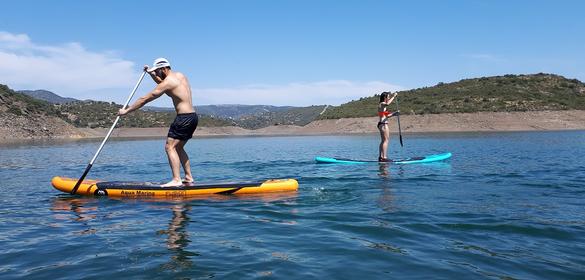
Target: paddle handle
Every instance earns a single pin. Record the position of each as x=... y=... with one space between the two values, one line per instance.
x=74 y=190
x=398 y=119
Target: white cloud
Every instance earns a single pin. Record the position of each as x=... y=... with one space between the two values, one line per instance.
x=71 y=70
x=14 y=38
x=67 y=69
x=332 y=92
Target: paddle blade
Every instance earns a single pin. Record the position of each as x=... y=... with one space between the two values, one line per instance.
x=401 y=145
x=74 y=190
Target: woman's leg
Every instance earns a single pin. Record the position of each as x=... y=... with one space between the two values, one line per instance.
x=385 y=136
x=381 y=149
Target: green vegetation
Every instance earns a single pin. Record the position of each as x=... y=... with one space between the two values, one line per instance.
x=23 y=105
x=102 y=114
x=488 y=94
x=88 y=113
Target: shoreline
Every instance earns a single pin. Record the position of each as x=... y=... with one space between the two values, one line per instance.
x=410 y=124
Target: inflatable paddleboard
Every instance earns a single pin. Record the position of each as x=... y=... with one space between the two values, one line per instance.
x=148 y=189
x=425 y=159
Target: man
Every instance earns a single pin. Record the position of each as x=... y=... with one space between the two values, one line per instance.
x=176 y=86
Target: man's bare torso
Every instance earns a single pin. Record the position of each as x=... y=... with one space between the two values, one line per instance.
x=180 y=92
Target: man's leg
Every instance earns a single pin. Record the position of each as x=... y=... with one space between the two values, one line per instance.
x=174 y=162
x=185 y=161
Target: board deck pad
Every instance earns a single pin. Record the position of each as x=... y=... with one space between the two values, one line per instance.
x=410 y=160
x=186 y=186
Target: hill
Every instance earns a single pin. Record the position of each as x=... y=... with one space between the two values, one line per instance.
x=47 y=96
x=22 y=116
x=22 y=112
x=18 y=104
x=506 y=93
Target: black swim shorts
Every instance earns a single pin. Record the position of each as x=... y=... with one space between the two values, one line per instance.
x=183 y=126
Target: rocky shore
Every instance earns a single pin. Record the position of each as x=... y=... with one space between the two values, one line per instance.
x=464 y=122
x=14 y=128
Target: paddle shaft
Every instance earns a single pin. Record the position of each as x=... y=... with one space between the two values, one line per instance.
x=106 y=138
x=398 y=119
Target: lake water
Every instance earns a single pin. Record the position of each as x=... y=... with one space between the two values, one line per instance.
x=507 y=205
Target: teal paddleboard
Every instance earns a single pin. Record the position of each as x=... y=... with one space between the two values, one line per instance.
x=425 y=159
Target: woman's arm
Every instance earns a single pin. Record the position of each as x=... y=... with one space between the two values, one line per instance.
x=392 y=98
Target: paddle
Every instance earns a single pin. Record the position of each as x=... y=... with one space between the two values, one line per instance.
x=398 y=119
x=106 y=138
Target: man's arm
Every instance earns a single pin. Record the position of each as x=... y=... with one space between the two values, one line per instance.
x=154 y=94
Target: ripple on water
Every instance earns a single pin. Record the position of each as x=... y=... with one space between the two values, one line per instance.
x=495 y=210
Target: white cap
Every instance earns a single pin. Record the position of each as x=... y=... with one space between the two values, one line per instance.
x=159 y=63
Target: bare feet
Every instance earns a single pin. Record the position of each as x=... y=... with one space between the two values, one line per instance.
x=173 y=183
x=188 y=179
x=188 y=182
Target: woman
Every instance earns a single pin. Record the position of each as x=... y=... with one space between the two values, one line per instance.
x=385 y=99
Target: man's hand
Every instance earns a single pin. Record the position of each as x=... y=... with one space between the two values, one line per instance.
x=122 y=112
x=146 y=70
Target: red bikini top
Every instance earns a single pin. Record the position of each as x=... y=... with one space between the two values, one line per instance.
x=384 y=113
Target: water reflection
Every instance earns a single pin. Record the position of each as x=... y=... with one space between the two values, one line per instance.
x=178 y=238
x=383 y=171
x=386 y=199
x=75 y=209
x=177 y=241
x=78 y=208
x=83 y=211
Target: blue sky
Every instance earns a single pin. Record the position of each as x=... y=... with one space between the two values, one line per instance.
x=283 y=52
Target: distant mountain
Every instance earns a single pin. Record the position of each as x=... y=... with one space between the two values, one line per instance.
x=228 y=111
x=253 y=116
x=294 y=116
x=47 y=96
x=158 y=109
x=237 y=111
